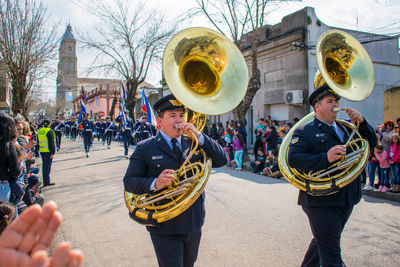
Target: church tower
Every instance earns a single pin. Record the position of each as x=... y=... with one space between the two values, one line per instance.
x=67 y=78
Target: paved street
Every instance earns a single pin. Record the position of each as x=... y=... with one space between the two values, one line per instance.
x=251 y=220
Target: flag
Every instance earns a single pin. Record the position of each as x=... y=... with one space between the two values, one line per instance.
x=151 y=118
x=123 y=108
x=83 y=94
x=69 y=96
x=82 y=114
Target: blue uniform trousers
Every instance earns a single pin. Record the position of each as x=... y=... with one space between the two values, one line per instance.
x=178 y=250
x=327 y=224
x=126 y=136
x=87 y=140
x=108 y=137
x=58 y=139
x=46 y=167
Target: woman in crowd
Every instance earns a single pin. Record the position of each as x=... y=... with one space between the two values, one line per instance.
x=9 y=165
x=213 y=131
x=272 y=138
x=387 y=131
x=220 y=133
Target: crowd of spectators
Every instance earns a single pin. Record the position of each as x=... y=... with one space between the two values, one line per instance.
x=383 y=165
x=268 y=137
x=384 y=160
x=19 y=179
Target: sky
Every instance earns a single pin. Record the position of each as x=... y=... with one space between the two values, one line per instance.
x=377 y=16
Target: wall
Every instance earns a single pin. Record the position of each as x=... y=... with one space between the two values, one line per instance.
x=391 y=108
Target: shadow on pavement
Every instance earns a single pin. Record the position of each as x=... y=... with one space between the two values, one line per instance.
x=249 y=176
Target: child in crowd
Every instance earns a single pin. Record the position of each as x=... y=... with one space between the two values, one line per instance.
x=383 y=159
x=372 y=166
x=228 y=145
x=7 y=213
x=258 y=164
x=394 y=161
x=31 y=195
x=271 y=165
x=238 y=145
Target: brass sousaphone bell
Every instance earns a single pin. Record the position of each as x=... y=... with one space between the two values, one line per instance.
x=346 y=67
x=207 y=73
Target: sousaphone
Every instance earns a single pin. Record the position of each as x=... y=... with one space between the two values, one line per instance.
x=346 y=67
x=207 y=73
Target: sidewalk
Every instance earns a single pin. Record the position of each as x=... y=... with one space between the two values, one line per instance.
x=372 y=193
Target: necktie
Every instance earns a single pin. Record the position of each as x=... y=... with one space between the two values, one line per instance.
x=176 y=149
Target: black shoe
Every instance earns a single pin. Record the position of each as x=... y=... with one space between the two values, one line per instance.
x=50 y=184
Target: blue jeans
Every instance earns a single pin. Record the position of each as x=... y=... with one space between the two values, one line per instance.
x=5 y=191
x=394 y=168
x=238 y=158
x=385 y=177
x=34 y=170
x=372 y=166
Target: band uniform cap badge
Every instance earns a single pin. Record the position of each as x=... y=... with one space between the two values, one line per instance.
x=294 y=140
x=156 y=157
x=175 y=102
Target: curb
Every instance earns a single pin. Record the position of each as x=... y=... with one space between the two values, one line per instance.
x=386 y=195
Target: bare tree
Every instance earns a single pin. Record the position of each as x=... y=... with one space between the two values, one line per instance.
x=127 y=41
x=26 y=45
x=113 y=105
x=235 y=18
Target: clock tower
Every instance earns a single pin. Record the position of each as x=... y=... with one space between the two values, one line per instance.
x=67 y=77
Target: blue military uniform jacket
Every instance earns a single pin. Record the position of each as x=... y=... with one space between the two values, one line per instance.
x=57 y=126
x=109 y=127
x=308 y=152
x=87 y=127
x=154 y=155
x=143 y=130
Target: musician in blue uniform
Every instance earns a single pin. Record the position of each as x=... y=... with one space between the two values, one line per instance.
x=67 y=127
x=57 y=127
x=109 y=129
x=99 y=129
x=126 y=132
x=175 y=241
x=143 y=129
x=87 y=132
x=74 y=129
x=103 y=128
x=314 y=147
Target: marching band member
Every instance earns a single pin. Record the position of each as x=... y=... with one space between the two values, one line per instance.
x=57 y=127
x=87 y=132
x=74 y=129
x=176 y=242
x=109 y=129
x=126 y=133
x=314 y=147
